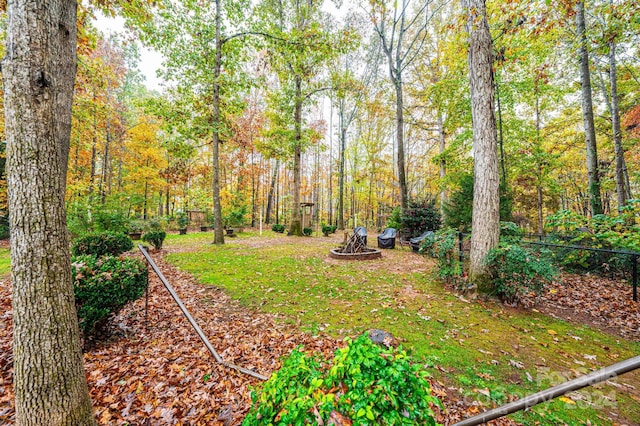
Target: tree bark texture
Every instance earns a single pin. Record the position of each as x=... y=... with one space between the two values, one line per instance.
x=587 y=113
x=218 y=237
x=296 y=219
x=39 y=73
x=486 y=197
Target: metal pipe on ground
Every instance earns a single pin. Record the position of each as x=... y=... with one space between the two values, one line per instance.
x=555 y=391
x=192 y=321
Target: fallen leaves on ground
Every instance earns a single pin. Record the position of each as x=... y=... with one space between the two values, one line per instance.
x=157 y=371
x=593 y=300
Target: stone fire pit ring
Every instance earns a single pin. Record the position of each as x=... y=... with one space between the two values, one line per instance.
x=367 y=254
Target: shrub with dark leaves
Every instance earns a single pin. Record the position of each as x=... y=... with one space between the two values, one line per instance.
x=420 y=216
x=101 y=244
x=102 y=286
x=155 y=238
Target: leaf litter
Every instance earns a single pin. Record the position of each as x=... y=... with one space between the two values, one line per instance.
x=593 y=300
x=161 y=373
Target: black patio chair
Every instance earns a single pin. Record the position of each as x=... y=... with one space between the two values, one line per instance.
x=387 y=240
x=417 y=241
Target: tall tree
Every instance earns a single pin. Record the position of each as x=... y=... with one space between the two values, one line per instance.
x=402 y=36
x=203 y=58
x=300 y=44
x=486 y=199
x=39 y=72
x=587 y=112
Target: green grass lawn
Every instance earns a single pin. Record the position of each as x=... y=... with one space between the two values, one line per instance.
x=492 y=354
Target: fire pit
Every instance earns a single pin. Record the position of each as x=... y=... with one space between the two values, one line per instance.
x=354 y=248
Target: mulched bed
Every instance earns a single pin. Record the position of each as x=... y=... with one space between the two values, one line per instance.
x=161 y=374
x=592 y=300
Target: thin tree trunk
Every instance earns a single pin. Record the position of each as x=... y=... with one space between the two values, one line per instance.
x=272 y=190
x=296 y=220
x=343 y=144
x=146 y=194
x=537 y=147
x=443 y=163
x=486 y=199
x=503 y=162
x=330 y=197
x=621 y=189
x=402 y=179
x=39 y=72
x=217 y=208
x=595 y=199
x=253 y=189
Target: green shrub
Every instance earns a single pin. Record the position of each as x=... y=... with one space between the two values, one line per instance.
x=458 y=210
x=183 y=220
x=517 y=271
x=156 y=225
x=4 y=225
x=277 y=228
x=102 y=243
x=442 y=246
x=395 y=220
x=333 y=229
x=364 y=383
x=155 y=238
x=509 y=231
x=307 y=231
x=103 y=285
x=84 y=218
x=236 y=217
x=327 y=229
x=620 y=232
x=111 y=221
x=420 y=216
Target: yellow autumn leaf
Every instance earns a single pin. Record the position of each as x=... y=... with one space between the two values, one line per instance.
x=552 y=332
x=567 y=400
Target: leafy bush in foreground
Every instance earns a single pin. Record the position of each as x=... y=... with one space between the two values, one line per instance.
x=101 y=244
x=103 y=285
x=364 y=383
x=277 y=228
x=307 y=231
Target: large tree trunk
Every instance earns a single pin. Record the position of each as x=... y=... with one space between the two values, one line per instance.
x=39 y=72
x=217 y=207
x=587 y=114
x=486 y=198
x=296 y=220
x=621 y=189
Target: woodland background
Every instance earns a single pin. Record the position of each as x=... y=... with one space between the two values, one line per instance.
x=144 y=154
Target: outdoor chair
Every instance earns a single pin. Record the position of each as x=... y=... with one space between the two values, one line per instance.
x=387 y=240
x=417 y=241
